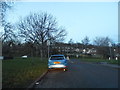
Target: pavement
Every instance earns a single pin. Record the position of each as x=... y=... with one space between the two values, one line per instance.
x=81 y=75
x=32 y=85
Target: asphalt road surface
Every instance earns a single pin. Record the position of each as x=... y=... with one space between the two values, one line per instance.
x=81 y=75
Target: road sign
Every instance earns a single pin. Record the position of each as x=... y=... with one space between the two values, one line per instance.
x=48 y=42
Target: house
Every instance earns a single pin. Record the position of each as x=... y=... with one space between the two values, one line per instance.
x=72 y=49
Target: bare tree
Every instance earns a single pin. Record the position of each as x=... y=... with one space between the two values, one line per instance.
x=102 y=41
x=102 y=44
x=9 y=39
x=8 y=33
x=4 y=6
x=39 y=28
x=85 y=42
x=71 y=41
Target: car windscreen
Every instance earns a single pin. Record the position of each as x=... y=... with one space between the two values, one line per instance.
x=57 y=58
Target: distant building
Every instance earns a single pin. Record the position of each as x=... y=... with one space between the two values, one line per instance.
x=71 y=49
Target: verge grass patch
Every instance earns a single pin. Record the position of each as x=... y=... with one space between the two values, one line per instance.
x=19 y=73
x=97 y=60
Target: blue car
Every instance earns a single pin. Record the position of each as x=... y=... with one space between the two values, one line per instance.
x=57 y=61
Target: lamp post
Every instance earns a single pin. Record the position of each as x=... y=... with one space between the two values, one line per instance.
x=84 y=51
x=114 y=52
x=115 y=56
x=48 y=44
x=110 y=50
x=1 y=57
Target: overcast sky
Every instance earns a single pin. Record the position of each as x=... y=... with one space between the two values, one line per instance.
x=80 y=19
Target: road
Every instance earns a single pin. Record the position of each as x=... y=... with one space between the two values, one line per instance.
x=81 y=75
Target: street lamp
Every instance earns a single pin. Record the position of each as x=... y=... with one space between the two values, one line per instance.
x=84 y=51
x=48 y=44
x=110 y=50
x=116 y=58
x=1 y=57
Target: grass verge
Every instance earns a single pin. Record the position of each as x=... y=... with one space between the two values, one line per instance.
x=20 y=73
x=97 y=60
